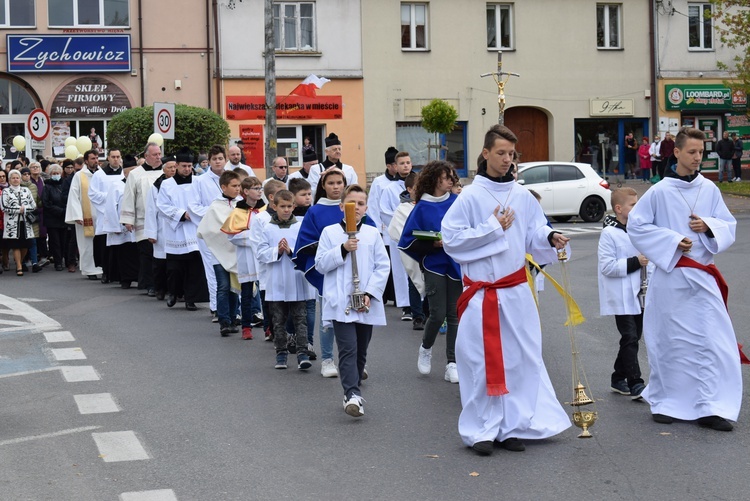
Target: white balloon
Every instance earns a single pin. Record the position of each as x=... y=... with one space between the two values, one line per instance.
x=19 y=142
x=71 y=152
x=71 y=141
x=156 y=138
x=83 y=144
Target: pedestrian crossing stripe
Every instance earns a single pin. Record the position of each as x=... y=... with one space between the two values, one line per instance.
x=577 y=230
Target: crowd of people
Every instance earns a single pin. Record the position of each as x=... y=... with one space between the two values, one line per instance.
x=270 y=254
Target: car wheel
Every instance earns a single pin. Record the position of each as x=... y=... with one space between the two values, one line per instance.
x=592 y=209
x=562 y=219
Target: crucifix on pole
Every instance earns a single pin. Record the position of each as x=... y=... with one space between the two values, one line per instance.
x=501 y=78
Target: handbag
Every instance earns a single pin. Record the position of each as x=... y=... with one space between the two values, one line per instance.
x=31 y=218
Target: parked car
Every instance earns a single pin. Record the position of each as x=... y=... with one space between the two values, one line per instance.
x=567 y=189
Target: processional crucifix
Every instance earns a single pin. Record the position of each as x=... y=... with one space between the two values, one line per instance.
x=501 y=78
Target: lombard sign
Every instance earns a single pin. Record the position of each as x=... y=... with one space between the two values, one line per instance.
x=68 y=53
x=703 y=97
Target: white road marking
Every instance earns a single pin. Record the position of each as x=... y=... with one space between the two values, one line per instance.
x=32 y=300
x=96 y=403
x=24 y=373
x=577 y=230
x=119 y=446
x=59 y=337
x=48 y=435
x=159 y=495
x=68 y=354
x=34 y=318
x=77 y=373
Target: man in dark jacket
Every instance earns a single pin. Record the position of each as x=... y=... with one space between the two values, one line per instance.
x=54 y=211
x=737 y=158
x=725 y=150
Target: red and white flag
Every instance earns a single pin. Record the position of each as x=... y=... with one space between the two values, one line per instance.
x=309 y=85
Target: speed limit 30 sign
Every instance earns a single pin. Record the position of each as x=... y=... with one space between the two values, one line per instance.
x=164 y=119
x=38 y=124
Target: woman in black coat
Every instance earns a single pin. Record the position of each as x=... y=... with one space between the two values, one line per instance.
x=54 y=204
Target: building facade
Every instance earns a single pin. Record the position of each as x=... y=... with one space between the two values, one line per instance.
x=691 y=88
x=84 y=62
x=322 y=38
x=576 y=94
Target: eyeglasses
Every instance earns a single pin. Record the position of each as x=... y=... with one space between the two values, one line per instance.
x=282 y=167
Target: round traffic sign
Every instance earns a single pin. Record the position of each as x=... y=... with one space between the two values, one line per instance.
x=164 y=121
x=38 y=124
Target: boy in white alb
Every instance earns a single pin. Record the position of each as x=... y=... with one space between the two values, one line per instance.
x=287 y=292
x=619 y=273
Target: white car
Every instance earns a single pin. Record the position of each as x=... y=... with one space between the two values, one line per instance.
x=567 y=189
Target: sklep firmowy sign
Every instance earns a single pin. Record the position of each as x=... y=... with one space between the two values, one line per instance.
x=68 y=53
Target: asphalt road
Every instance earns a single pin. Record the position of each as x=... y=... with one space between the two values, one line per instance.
x=216 y=422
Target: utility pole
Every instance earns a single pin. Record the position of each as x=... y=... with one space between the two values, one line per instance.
x=270 y=66
x=501 y=78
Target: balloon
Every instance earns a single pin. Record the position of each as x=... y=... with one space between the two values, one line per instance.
x=83 y=144
x=156 y=138
x=71 y=152
x=19 y=142
x=71 y=141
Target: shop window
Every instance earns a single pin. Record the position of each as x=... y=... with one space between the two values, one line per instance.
x=17 y=14
x=700 y=28
x=413 y=26
x=63 y=129
x=499 y=26
x=98 y=13
x=420 y=144
x=294 y=26
x=608 y=26
x=14 y=99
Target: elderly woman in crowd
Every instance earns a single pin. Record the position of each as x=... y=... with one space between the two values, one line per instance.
x=17 y=203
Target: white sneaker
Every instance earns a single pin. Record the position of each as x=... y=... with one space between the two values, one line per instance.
x=424 y=362
x=328 y=369
x=451 y=373
x=354 y=406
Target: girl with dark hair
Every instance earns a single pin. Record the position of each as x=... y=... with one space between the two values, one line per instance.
x=421 y=241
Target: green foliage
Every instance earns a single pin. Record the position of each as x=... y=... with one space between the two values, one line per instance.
x=439 y=117
x=733 y=27
x=197 y=128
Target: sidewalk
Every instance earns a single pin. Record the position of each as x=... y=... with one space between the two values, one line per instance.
x=735 y=203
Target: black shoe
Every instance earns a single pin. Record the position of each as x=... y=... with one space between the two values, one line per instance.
x=92 y=277
x=171 y=301
x=483 y=448
x=225 y=330
x=662 y=418
x=151 y=292
x=620 y=387
x=26 y=268
x=418 y=324
x=160 y=296
x=190 y=306
x=58 y=267
x=35 y=268
x=125 y=285
x=257 y=321
x=105 y=278
x=636 y=390
x=715 y=423
x=512 y=444
x=234 y=329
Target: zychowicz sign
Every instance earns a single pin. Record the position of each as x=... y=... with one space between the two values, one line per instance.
x=68 y=53
x=703 y=97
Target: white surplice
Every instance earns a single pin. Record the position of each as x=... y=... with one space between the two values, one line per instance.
x=73 y=213
x=255 y=237
x=134 y=200
x=692 y=347
x=172 y=201
x=116 y=232
x=153 y=224
x=473 y=237
x=390 y=199
x=288 y=284
x=98 y=190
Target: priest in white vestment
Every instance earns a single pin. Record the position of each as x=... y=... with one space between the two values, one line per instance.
x=680 y=224
x=99 y=188
x=79 y=211
x=506 y=393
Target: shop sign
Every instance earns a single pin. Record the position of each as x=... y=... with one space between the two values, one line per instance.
x=703 y=97
x=611 y=107
x=253 y=145
x=287 y=107
x=68 y=53
x=90 y=97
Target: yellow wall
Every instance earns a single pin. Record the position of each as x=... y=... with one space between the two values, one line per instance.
x=350 y=129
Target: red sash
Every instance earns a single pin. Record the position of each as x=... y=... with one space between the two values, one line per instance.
x=711 y=269
x=493 y=347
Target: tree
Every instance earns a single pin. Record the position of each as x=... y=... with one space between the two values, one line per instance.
x=438 y=117
x=197 y=128
x=733 y=27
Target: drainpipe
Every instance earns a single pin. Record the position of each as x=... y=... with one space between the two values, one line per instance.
x=208 y=53
x=217 y=57
x=140 y=53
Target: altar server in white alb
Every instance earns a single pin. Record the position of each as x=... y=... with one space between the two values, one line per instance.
x=153 y=227
x=506 y=393
x=680 y=225
x=99 y=188
x=185 y=275
x=121 y=244
x=80 y=212
x=352 y=328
